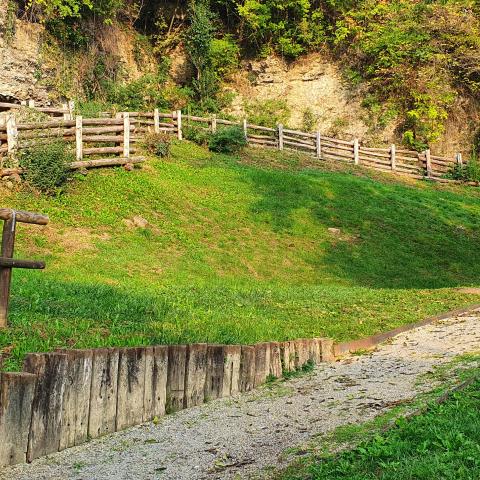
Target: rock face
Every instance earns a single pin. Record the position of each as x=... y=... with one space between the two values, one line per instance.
x=310 y=84
x=20 y=44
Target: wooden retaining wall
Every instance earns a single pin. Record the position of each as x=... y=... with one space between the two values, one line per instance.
x=63 y=398
x=113 y=140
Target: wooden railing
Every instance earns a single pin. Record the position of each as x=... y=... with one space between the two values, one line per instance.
x=117 y=135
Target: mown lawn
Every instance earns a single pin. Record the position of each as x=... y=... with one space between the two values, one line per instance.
x=443 y=443
x=237 y=250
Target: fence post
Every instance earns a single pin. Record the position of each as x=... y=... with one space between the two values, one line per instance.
x=12 y=136
x=393 y=156
x=66 y=115
x=459 y=160
x=71 y=109
x=428 y=161
x=126 y=134
x=156 y=121
x=31 y=104
x=356 y=152
x=245 y=128
x=318 y=144
x=280 y=136
x=23 y=103
x=214 y=123
x=179 y=125
x=79 y=137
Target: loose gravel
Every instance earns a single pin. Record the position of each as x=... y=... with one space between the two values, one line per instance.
x=236 y=437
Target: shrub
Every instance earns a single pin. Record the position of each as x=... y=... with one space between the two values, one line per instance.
x=227 y=140
x=157 y=144
x=469 y=172
x=268 y=112
x=46 y=166
x=196 y=135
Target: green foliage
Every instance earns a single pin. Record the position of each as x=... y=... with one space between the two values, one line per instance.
x=290 y=27
x=309 y=120
x=10 y=21
x=198 y=44
x=157 y=144
x=227 y=140
x=225 y=55
x=47 y=165
x=468 y=172
x=268 y=113
x=196 y=135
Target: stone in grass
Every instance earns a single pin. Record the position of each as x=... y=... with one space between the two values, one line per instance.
x=140 y=222
x=335 y=231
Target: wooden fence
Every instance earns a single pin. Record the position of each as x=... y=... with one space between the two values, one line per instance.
x=113 y=139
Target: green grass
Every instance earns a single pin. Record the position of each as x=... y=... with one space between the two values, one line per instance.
x=442 y=443
x=238 y=250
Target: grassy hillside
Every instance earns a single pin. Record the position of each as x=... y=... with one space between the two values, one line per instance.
x=237 y=250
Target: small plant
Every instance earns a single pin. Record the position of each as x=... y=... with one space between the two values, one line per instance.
x=309 y=120
x=227 y=140
x=46 y=166
x=268 y=113
x=157 y=144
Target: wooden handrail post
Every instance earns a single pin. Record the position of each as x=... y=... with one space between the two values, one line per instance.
x=10 y=219
x=428 y=162
x=8 y=241
x=245 y=129
x=179 y=125
x=280 y=136
x=458 y=159
x=12 y=138
x=31 y=103
x=356 y=152
x=393 y=157
x=126 y=134
x=71 y=109
x=214 y=123
x=156 y=120
x=318 y=144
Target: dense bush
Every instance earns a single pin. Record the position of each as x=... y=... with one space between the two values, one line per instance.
x=46 y=166
x=196 y=135
x=227 y=140
x=469 y=172
x=157 y=144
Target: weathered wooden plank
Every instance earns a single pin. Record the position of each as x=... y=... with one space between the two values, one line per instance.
x=287 y=357
x=327 y=349
x=196 y=374
x=231 y=370
x=76 y=398
x=103 y=394
x=130 y=387
x=215 y=372
x=47 y=405
x=105 y=162
x=247 y=368
x=275 y=360
x=177 y=359
x=156 y=371
x=16 y=399
x=262 y=363
x=23 y=217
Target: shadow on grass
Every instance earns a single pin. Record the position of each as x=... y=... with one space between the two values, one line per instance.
x=394 y=236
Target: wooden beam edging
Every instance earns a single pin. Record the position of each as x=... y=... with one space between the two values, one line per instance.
x=340 y=349
x=63 y=398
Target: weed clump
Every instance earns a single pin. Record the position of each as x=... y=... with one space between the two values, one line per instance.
x=157 y=144
x=46 y=166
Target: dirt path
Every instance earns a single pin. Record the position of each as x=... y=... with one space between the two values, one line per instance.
x=233 y=437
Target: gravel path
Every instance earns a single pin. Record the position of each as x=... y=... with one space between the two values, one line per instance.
x=234 y=437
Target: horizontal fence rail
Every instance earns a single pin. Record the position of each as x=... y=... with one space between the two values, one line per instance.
x=112 y=139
